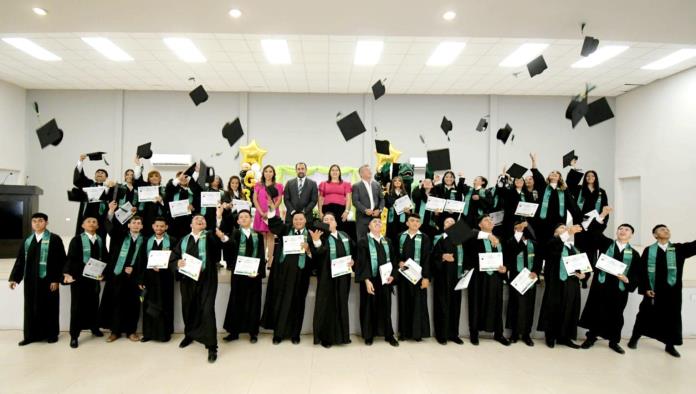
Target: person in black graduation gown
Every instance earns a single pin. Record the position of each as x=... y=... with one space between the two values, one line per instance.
x=396 y=224
x=243 y=313
x=512 y=194
x=158 y=285
x=210 y=213
x=84 y=292
x=660 y=282
x=521 y=251
x=93 y=209
x=126 y=192
x=447 y=190
x=39 y=263
x=198 y=296
x=330 y=325
x=374 y=251
x=603 y=313
x=420 y=199
x=477 y=201
x=485 y=291
x=560 y=307
x=119 y=310
x=414 y=320
x=183 y=187
x=288 y=281
x=150 y=210
x=229 y=215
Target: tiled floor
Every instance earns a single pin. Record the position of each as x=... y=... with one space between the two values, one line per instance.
x=427 y=367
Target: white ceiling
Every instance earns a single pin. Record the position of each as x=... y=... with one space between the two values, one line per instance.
x=322 y=35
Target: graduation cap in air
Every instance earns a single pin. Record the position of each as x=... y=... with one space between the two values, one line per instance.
x=516 y=171
x=199 y=95
x=504 y=134
x=482 y=125
x=439 y=160
x=577 y=109
x=574 y=177
x=568 y=158
x=145 y=151
x=232 y=131
x=536 y=66
x=446 y=126
x=382 y=147
x=589 y=45
x=206 y=174
x=351 y=126
x=49 y=134
x=189 y=171
x=96 y=156
x=598 y=111
x=378 y=89
x=459 y=232
x=77 y=195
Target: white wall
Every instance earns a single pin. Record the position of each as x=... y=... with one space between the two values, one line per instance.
x=656 y=141
x=12 y=131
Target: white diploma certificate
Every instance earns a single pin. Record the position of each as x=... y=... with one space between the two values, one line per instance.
x=94 y=193
x=210 y=199
x=93 y=269
x=464 y=281
x=435 y=204
x=240 y=205
x=158 y=259
x=385 y=271
x=339 y=266
x=611 y=265
x=526 y=209
x=401 y=204
x=148 y=193
x=247 y=266
x=490 y=261
x=292 y=244
x=577 y=262
x=523 y=282
x=192 y=269
x=411 y=271
x=454 y=206
x=124 y=213
x=179 y=208
x=497 y=217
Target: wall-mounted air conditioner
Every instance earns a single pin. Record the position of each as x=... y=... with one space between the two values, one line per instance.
x=171 y=160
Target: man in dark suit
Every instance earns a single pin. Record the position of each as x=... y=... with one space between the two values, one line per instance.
x=300 y=194
x=368 y=200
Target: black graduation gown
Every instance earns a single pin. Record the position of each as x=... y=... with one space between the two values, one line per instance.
x=396 y=226
x=119 y=310
x=447 y=302
x=603 y=313
x=181 y=226
x=331 y=307
x=96 y=209
x=158 y=300
x=150 y=210
x=41 y=305
x=244 y=306
x=584 y=240
x=485 y=293
x=283 y=311
x=375 y=310
x=660 y=317
x=453 y=193
x=414 y=320
x=198 y=297
x=484 y=203
x=84 y=292
x=520 y=309
x=511 y=198
x=123 y=195
x=560 y=307
x=210 y=213
x=229 y=216
x=428 y=218
x=544 y=228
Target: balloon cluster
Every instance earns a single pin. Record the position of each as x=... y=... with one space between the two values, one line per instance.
x=252 y=160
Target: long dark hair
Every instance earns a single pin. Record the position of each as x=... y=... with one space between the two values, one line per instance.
x=585 y=189
x=230 y=192
x=454 y=178
x=263 y=177
x=340 y=180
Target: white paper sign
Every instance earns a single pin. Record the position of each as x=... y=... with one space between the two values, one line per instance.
x=93 y=269
x=577 y=262
x=526 y=209
x=292 y=244
x=339 y=266
x=411 y=271
x=158 y=259
x=124 y=213
x=611 y=265
x=192 y=268
x=464 y=281
x=435 y=204
x=523 y=282
x=148 y=193
x=94 y=193
x=385 y=271
x=247 y=266
x=210 y=199
x=402 y=203
x=490 y=261
x=241 y=205
x=454 y=206
x=497 y=217
x=179 y=208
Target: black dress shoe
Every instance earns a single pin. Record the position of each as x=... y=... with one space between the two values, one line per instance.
x=513 y=340
x=296 y=340
x=616 y=347
x=456 y=340
x=589 y=342
x=368 y=342
x=185 y=342
x=52 y=340
x=73 y=343
x=393 y=342
x=97 y=333
x=633 y=343
x=528 y=341
x=230 y=338
x=326 y=345
x=672 y=351
x=144 y=339
x=253 y=339
x=24 y=342
x=474 y=340
x=418 y=339
x=502 y=340
x=212 y=355
x=442 y=341
x=570 y=344
x=276 y=340
x=550 y=343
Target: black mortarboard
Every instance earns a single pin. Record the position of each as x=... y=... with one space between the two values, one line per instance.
x=446 y=126
x=145 y=151
x=199 y=95
x=536 y=66
x=49 y=134
x=598 y=111
x=504 y=133
x=96 y=156
x=382 y=147
x=77 y=195
x=516 y=171
x=378 y=89
x=482 y=124
x=321 y=226
x=574 y=177
x=569 y=157
x=577 y=109
x=232 y=131
x=351 y=126
x=203 y=174
x=439 y=160
x=460 y=232
x=589 y=45
x=189 y=171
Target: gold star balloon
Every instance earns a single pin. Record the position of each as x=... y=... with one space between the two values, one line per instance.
x=391 y=158
x=252 y=153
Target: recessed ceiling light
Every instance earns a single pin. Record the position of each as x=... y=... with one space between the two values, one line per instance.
x=671 y=59
x=599 y=56
x=367 y=53
x=184 y=49
x=449 y=15
x=276 y=51
x=523 y=55
x=107 y=48
x=445 y=53
x=31 y=48
x=235 y=13
x=40 y=11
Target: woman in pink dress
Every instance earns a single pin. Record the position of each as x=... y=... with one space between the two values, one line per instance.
x=335 y=197
x=267 y=197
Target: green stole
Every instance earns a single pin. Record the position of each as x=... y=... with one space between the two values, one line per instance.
x=201 y=247
x=165 y=243
x=545 y=202
x=177 y=196
x=562 y=273
x=123 y=253
x=418 y=239
x=597 y=205
x=302 y=256
x=373 y=253
x=332 y=245
x=460 y=256
x=122 y=200
x=467 y=200
x=43 y=252
x=521 y=194
x=392 y=213
x=243 y=243
x=87 y=247
x=627 y=258
x=671 y=264
x=421 y=212
x=489 y=249
x=530 y=257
